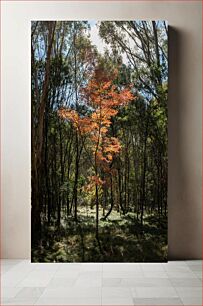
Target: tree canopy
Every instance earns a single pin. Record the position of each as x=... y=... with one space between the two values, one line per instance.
x=99 y=141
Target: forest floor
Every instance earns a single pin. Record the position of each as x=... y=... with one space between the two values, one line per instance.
x=121 y=239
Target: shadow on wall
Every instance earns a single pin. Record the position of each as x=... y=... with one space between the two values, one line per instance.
x=184 y=228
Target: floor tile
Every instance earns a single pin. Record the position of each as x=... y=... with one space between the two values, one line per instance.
x=48 y=267
x=69 y=301
x=15 y=275
x=4 y=301
x=175 y=274
x=22 y=301
x=154 y=267
x=158 y=301
x=9 y=292
x=193 y=262
x=112 y=282
x=154 y=292
x=155 y=274
x=147 y=282
x=37 y=279
x=189 y=291
x=73 y=292
x=122 y=267
x=61 y=282
x=177 y=268
x=176 y=263
x=196 y=268
x=70 y=267
x=97 y=282
x=6 y=268
x=185 y=282
x=198 y=274
x=192 y=301
x=116 y=292
x=90 y=274
x=30 y=292
x=123 y=274
x=92 y=267
x=67 y=274
x=172 y=283
x=117 y=301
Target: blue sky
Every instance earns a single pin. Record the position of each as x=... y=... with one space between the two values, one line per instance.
x=98 y=42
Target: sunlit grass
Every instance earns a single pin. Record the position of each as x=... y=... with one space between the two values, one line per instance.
x=122 y=239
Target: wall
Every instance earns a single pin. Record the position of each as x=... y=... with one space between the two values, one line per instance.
x=184 y=196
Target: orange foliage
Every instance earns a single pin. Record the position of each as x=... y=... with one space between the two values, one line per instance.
x=105 y=99
x=96 y=179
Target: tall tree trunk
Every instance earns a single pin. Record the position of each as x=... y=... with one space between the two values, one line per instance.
x=157 y=52
x=143 y=199
x=120 y=189
x=61 y=166
x=37 y=141
x=112 y=202
x=47 y=170
x=97 y=211
x=77 y=140
x=76 y=178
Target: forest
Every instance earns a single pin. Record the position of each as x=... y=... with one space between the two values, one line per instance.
x=99 y=141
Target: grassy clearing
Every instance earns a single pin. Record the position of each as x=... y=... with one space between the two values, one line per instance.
x=122 y=239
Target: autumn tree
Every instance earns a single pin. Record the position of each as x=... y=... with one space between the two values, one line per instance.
x=104 y=98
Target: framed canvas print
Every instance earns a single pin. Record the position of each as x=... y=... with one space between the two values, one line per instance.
x=99 y=140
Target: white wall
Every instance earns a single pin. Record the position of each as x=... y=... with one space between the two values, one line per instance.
x=184 y=198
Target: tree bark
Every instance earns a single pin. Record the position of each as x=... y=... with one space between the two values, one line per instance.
x=37 y=141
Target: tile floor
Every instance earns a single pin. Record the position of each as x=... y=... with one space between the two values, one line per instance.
x=172 y=283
